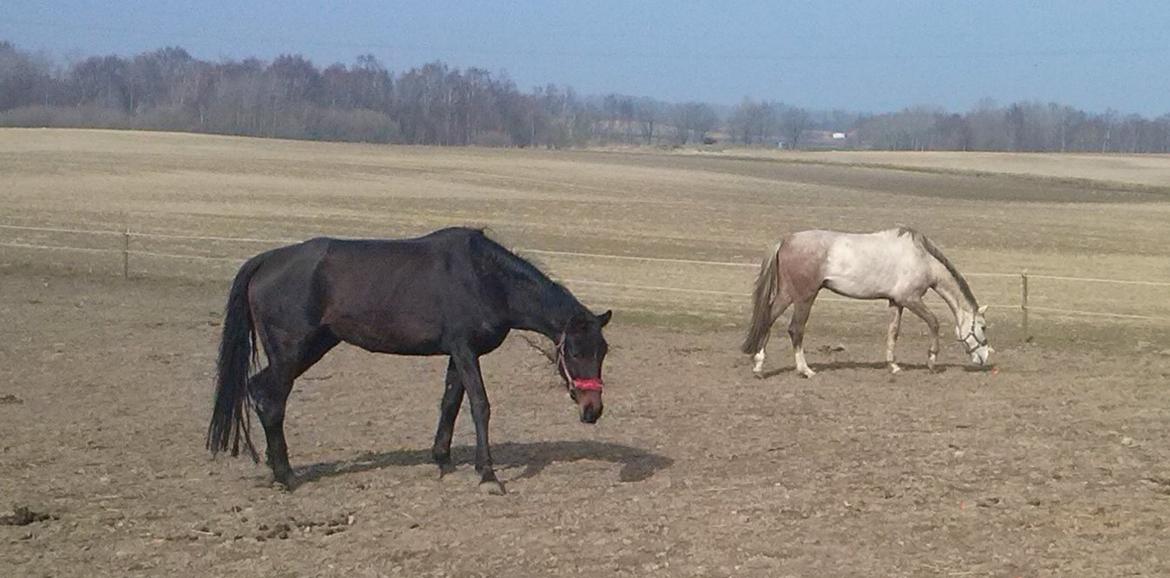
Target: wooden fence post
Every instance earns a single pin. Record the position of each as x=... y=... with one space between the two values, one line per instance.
x=126 y=253
x=1024 y=305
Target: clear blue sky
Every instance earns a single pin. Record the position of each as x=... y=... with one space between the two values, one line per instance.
x=869 y=56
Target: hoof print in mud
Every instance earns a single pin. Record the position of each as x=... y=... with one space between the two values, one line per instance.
x=284 y=530
x=23 y=516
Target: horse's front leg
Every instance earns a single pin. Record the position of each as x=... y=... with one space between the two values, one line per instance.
x=892 y=336
x=448 y=411
x=919 y=309
x=481 y=411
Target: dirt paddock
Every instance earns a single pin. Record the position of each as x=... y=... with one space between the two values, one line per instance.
x=1056 y=464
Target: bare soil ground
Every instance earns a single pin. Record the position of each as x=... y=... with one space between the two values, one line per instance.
x=1054 y=465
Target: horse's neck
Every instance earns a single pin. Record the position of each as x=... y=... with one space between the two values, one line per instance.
x=948 y=288
x=542 y=306
x=534 y=302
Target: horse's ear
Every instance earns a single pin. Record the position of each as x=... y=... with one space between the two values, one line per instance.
x=983 y=310
x=604 y=318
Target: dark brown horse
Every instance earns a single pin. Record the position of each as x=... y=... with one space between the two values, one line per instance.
x=453 y=292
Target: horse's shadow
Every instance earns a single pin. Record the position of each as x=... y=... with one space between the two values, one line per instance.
x=637 y=464
x=844 y=365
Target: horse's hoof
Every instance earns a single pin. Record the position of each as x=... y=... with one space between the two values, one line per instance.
x=283 y=481
x=808 y=373
x=492 y=488
x=445 y=469
x=895 y=368
x=758 y=374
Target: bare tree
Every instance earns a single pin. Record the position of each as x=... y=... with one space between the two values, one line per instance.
x=693 y=120
x=793 y=121
x=648 y=113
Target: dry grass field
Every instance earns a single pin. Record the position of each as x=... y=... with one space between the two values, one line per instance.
x=1054 y=465
x=1138 y=171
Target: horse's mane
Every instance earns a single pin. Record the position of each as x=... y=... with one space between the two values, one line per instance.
x=522 y=270
x=937 y=253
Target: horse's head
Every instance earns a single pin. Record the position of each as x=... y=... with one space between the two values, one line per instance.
x=580 y=353
x=971 y=331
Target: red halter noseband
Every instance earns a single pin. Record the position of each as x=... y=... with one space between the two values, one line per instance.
x=588 y=384
x=580 y=384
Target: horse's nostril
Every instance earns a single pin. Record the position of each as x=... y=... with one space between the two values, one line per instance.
x=590 y=415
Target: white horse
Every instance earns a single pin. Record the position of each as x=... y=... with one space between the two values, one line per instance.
x=898 y=265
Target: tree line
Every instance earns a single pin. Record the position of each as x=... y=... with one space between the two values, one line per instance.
x=434 y=104
x=290 y=97
x=1021 y=126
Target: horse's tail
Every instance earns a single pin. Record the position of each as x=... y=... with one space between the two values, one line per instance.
x=230 y=418
x=767 y=286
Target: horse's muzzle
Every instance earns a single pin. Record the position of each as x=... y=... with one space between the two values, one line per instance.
x=591 y=414
x=590 y=404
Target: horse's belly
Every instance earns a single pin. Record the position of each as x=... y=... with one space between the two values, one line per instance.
x=399 y=336
x=853 y=289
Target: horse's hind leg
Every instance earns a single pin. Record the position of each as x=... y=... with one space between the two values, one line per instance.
x=892 y=336
x=270 y=390
x=796 y=331
x=448 y=411
x=781 y=304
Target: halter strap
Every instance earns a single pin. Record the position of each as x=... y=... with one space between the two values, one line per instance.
x=588 y=384
x=966 y=340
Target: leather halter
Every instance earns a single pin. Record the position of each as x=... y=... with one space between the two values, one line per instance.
x=966 y=340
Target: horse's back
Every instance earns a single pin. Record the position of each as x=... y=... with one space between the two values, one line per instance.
x=383 y=295
x=397 y=264
x=882 y=264
x=880 y=249
x=406 y=296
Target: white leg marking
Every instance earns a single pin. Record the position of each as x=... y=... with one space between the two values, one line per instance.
x=801 y=365
x=759 y=359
